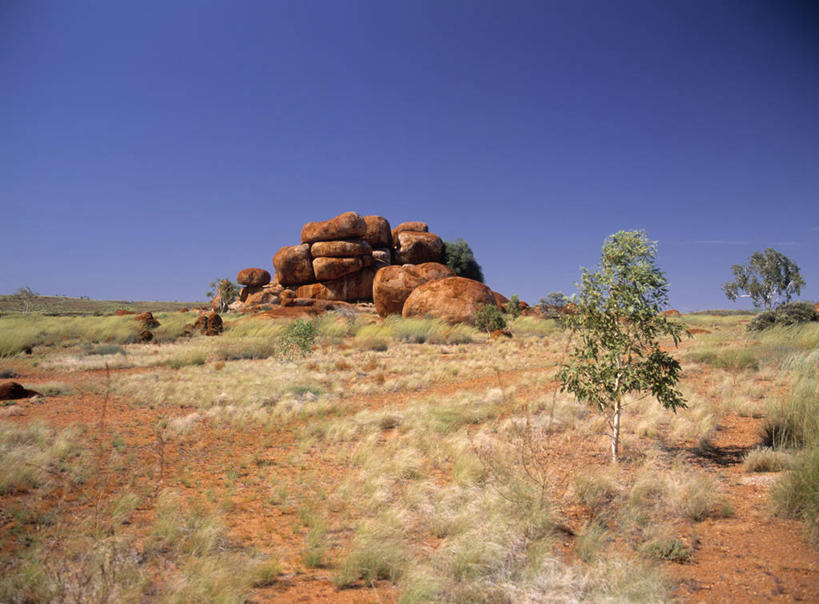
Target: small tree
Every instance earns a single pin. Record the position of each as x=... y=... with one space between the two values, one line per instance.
x=489 y=318
x=459 y=257
x=27 y=296
x=768 y=278
x=618 y=323
x=513 y=307
x=553 y=300
x=225 y=290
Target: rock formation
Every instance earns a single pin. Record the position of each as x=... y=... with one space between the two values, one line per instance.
x=453 y=299
x=393 y=285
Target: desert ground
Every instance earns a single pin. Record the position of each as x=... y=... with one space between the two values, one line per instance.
x=393 y=460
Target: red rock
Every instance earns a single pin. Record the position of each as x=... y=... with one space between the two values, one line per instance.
x=393 y=284
x=183 y=309
x=354 y=287
x=253 y=276
x=294 y=265
x=453 y=299
x=417 y=248
x=327 y=269
x=414 y=227
x=286 y=296
x=348 y=225
x=147 y=320
x=267 y=294
x=11 y=391
x=670 y=313
x=341 y=249
x=145 y=336
x=122 y=312
x=378 y=231
x=501 y=333
x=213 y=324
x=501 y=300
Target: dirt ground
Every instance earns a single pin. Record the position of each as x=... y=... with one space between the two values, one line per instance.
x=749 y=556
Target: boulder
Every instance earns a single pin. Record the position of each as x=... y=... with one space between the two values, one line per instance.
x=122 y=312
x=10 y=391
x=267 y=294
x=212 y=324
x=340 y=249
x=327 y=269
x=286 y=297
x=349 y=225
x=453 y=299
x=350 y=288
x=500 y=300
x=417 y=248
x=147 y=320
x=253 y=276
x=393 y=284
x=293 y=265
x=414 y=227
x=145 y=336
x=378 y=231
x=670 y=313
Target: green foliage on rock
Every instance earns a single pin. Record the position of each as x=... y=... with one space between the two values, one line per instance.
x=618 y=325
x=489 y=318
x=769 y=278
x=459 y=257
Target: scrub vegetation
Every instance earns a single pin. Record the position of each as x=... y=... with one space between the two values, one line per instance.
x=350 y=458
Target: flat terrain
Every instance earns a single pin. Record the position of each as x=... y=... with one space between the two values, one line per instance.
x=394 y=461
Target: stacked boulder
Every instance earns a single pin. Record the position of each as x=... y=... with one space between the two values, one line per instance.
x=339 y=258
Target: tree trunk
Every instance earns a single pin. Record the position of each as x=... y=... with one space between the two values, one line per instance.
x=615 y=432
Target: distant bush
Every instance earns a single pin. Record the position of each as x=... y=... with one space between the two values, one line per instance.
x=792 y=313
x=513 y=307
x=459 y=257
x=489 y=319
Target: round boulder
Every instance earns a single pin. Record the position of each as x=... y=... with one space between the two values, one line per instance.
x=340 y=249
x=453 y=299
x=293 y=265
x=393 y=284
x=10 y=391
x=417 y=247
x=349 y=225
x=327 y=269
x=378 y=231
x=253 y=276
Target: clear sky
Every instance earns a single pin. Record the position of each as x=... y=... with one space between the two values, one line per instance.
x=149 y=147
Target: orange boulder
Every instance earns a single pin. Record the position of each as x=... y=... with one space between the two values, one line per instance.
x=413 y=227
x=350 y=288
x=393 y=284
x=253 y=276
x=340 y=249
x=453 y=299
x=293 y=265
x=327 y=269
x=416 y=248
x=349 y=225
x=378 y=231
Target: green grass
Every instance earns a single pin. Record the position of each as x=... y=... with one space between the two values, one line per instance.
x=34 y=456
x=63 y=305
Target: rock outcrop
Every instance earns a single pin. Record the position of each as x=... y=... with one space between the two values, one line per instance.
x=341 y=259
x=453 y=299
x=393 y=284
x=11 y=391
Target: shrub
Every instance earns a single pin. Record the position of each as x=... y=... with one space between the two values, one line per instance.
x=489 y=318
x=797 y=494
x=459 y=257
x=513 y=308
x=765 y=459
x=298 y=337
x=793 y=313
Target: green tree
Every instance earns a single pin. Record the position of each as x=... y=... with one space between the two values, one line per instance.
x=224 y=291
x=513 y=307
x=26 y=296
x=489 y=318
x=459 y=257
x=618 y=323
x=769 y=279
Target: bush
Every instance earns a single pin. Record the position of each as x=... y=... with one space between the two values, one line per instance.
x=489 y=318
x=513 y=308
x=299 y=337
x=459 y=257
x=793 y=313
x=797 y=494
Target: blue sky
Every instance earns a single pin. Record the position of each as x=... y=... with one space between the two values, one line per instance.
x=148 y=147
